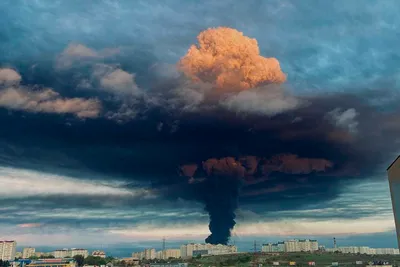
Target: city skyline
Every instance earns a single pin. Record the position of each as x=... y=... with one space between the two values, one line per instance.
x=124 y=249
x=213 y=122
x=154 y=251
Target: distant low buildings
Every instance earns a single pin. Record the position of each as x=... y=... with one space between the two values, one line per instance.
x=28 y=252
x=62 y=253
x=79 y=251
x=65 y=253
x=52 y=263
x=186 y=251
x=170 y=253
x=131 y=261
x=7 y=250
x=99 y=253
x=365 y=250
x=147 y=254
x=138 y=255
x=190 y=250
x=291 y=246
x=43 y=254
x=150 y=254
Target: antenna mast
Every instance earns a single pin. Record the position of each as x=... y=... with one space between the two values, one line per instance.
x=255 y=258
x=163 y=248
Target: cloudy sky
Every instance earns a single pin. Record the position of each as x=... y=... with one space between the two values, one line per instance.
x=130 y=121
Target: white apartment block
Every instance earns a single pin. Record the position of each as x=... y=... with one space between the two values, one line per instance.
x=273 y=247
x=150 y=254
x=168 y=253
x=69 y=253
x=79 y=251
x=7 y=250
x=291 y=246
x=188 y=249
x=138 y=255
x=147 y=254
x=62 y=253
x=365 y=250
x=28 y=252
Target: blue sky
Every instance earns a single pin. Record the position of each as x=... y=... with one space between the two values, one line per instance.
x=79 y=164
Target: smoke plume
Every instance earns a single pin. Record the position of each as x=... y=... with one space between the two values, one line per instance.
x=225 y=177
x=229 y=60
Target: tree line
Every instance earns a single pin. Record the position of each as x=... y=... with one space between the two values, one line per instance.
x=91 y=260
x=4 y=263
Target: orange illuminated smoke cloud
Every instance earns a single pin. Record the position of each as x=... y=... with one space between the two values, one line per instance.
x=228 y=59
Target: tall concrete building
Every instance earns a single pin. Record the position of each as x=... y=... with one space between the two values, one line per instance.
x=62 y=253
x=394 y=184
x=291 y=246
x=191 y=249
x=28 y=252
x=7 y=250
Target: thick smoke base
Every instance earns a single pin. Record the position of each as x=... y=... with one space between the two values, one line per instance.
x=222 y=179
x=221 y=202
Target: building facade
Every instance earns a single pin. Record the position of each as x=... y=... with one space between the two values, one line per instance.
x=28 y=252
x=291 y=246
x=53 y=263
x=99 y=253
x=79 y=251
x=169 y=253
x=365 y=250
x=150 y=254
x=188 y=249
x=138 y=255
x=7 y=250
x=394 y=184
x=62 y=253
x=147 y=254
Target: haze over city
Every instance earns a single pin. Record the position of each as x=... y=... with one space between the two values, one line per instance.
x=126 y=122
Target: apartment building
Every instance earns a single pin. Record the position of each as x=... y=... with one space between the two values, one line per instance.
x=99 y=253
x=7 y=250
x=150 y=254
x=62 y=253
x=168 y=253
x=28 y=252
x=52 y=263
x=394 y=184
x=138 y=255
x=273 y=247
x=189 y=250
x=291 y=246
x=79 y=251
x=365 y=250
x=172 y=253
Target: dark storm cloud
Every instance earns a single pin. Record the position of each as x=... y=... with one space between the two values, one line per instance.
x=294 y=157
x=141 y=151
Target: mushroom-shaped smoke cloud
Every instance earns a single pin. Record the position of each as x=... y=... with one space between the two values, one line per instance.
x=229 y=60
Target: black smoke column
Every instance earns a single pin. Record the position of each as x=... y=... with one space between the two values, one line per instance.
x=221 y=203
